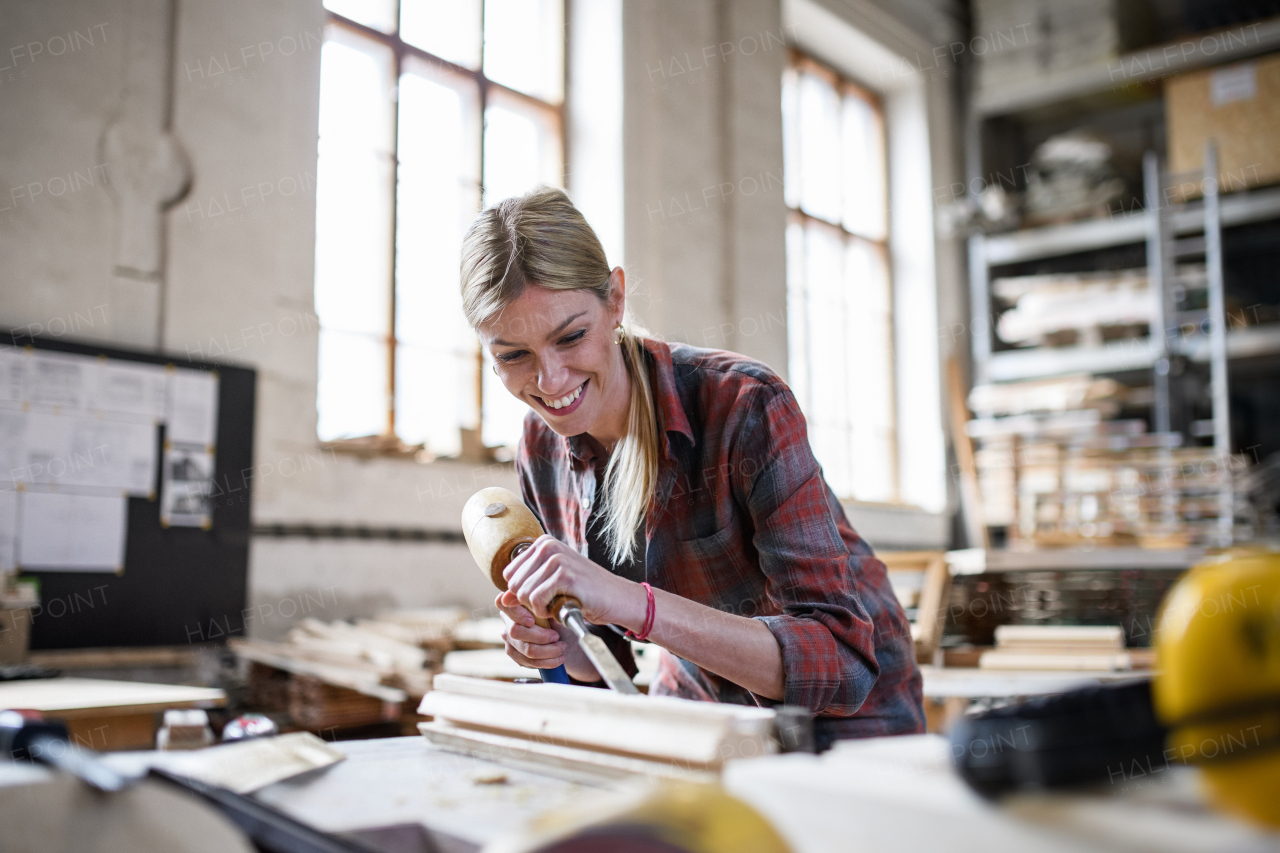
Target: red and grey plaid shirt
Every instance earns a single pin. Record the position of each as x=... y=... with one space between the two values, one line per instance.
x=743 y=521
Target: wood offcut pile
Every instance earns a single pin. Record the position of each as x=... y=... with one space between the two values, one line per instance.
x=1058 y=647
x=339 y=674
x=329 y=675
x=589 y=733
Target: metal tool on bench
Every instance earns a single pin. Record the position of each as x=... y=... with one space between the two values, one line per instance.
x=26 y=736
x=498 y=528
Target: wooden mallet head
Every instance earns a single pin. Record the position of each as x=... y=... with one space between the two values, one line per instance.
x=497 y=527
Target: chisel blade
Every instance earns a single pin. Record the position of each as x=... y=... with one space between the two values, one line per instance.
x=597 y=652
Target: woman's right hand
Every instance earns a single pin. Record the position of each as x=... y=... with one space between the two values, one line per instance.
x=527 y=644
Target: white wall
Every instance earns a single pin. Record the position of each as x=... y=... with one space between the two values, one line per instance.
x=705 y=214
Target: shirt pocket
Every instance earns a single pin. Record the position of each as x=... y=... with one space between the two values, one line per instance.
x=720 y=550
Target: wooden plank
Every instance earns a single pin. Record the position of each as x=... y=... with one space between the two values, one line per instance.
x=486 y=663
x=970 y=498
x=566 y=761
x=84 y=696
x=926 y=631
x=109 y=731
x=1074 y=663
x=648 y=736
x=664 y=728
x=278 y=656
x=1109 y=635
x=608 y=701
x=116 y=658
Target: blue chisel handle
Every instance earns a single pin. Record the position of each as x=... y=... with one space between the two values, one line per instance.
x=555 y=676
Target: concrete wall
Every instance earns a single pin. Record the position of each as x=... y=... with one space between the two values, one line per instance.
x=705 y=213
x=699 y=214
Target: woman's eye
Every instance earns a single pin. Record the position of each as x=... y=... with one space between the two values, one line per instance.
x=574 y=338
x=508 y=357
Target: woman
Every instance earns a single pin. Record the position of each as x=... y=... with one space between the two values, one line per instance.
x=680 y=496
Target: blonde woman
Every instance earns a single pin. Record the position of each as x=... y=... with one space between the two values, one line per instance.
x=680 y=496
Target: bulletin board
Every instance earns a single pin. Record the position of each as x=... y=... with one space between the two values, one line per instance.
x=129 y=475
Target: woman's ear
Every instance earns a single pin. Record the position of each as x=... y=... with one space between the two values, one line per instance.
x=617 y=295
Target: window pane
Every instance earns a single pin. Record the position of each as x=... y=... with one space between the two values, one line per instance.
x=450 y=29
x=870 y=356
x=829 y=415
x=353 y=186
x=352 y=397
x=521 y=150
x=379 y=14
x=819 y=145
x=864 y=169
x=430 y=395
x=791 y=136
x=438 y=198
x=503 y=413
x=797 y=317
x=524 y=46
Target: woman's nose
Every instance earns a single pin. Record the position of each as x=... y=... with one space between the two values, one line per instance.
x=551 y=374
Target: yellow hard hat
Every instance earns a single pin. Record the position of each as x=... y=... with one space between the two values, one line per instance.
x=1218 y=682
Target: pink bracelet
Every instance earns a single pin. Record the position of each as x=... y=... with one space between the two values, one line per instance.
x=649 y=613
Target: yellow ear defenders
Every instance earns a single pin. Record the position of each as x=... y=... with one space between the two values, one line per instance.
x=1218 y=683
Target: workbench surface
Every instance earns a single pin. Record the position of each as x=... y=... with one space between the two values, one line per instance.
x=407 y=780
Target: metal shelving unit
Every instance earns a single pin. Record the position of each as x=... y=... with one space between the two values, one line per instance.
x=1171 y=235
x=987 y=251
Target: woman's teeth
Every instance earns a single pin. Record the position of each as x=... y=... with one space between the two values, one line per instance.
x=567 y=399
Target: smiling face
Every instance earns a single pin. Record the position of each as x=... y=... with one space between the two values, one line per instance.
x=554 y=350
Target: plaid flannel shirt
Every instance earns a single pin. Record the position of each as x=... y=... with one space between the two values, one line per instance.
x=743 y=521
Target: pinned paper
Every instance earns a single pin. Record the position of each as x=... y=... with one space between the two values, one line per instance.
x=193 y=407
x=71 y=533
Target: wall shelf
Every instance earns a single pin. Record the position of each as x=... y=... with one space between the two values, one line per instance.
x=1132 y=354
x=1090 y=234
x=1141 y=66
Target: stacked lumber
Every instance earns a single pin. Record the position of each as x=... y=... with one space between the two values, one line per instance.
x=1081 y=309
x=328 y=674
x=426 y=627
x=1058 y=647
x=585 y=732
x=479 y=634
x=1056 y=470
x=318 y=706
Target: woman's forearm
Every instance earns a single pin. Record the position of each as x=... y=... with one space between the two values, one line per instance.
x=736 y=648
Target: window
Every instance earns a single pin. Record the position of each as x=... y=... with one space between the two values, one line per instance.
x=429 y=111
x=839 y=294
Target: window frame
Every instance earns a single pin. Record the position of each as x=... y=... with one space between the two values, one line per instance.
x=387 y=442
x=802 y=63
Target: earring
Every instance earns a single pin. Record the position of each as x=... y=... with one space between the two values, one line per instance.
x=495 y=369
x=619 y=332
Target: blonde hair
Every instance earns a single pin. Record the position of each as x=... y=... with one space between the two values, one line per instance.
x=541 y=238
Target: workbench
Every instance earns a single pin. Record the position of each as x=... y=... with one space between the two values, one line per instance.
x=877 y=794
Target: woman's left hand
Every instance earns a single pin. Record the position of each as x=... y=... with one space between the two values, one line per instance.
x=549 y=568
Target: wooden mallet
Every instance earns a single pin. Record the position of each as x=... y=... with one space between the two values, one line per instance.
x=498 y=528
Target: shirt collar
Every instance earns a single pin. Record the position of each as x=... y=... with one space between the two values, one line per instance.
x=666 y=400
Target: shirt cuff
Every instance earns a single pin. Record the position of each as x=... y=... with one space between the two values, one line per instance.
x=811 y=662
